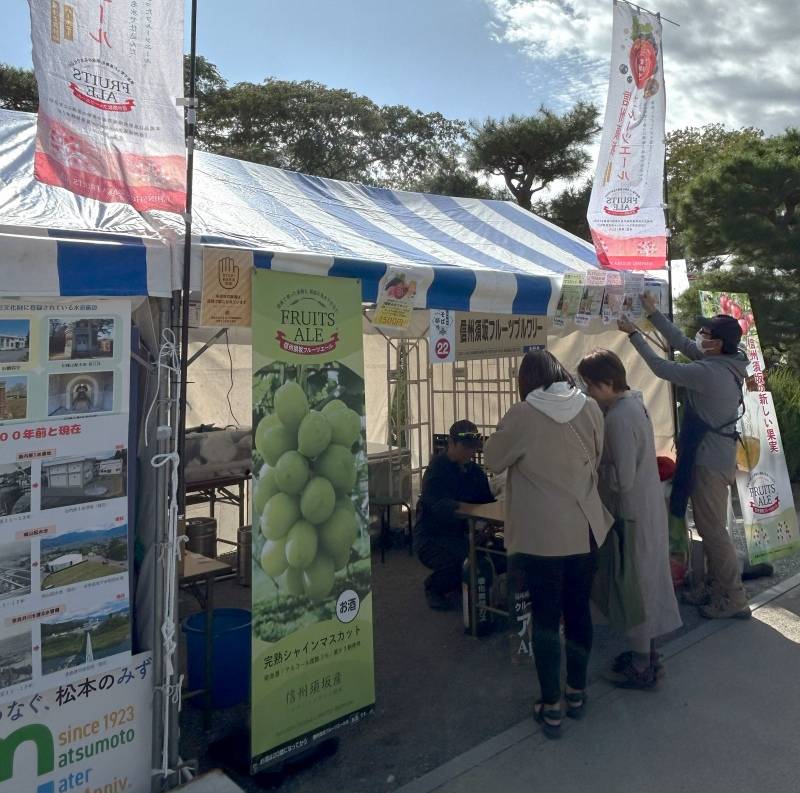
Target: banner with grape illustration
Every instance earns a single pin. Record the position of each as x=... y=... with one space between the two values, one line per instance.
x=312 y=650
x=762 y=479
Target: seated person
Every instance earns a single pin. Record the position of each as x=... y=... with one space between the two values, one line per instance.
x=440 y=538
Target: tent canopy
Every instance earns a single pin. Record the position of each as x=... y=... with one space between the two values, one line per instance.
x=472 y=254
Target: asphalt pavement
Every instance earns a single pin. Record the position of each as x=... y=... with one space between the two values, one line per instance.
x=724 y=720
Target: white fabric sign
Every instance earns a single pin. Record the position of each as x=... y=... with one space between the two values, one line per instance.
x=90 y=735
x=626 y=212
x=109 y=72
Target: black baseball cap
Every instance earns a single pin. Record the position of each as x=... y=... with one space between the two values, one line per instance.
x=465 y=432
x=726 y=329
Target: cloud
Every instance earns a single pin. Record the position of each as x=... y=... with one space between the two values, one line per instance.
x=734 y=63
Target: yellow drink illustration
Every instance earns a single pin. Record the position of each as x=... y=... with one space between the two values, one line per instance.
x=748 y=452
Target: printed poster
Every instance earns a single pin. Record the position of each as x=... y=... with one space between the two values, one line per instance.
x=591 y=304
x=762 y=479
x=626 y=209
x=64 y=385
x=91 y=735
x=569 y=300
x=399 y=291
x=312 y=668
x=227 y=290
x=109 y=74
x=632 y=299
x=613 y=297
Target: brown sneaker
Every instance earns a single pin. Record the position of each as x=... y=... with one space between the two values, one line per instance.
x=696 y=597
x=725 y=610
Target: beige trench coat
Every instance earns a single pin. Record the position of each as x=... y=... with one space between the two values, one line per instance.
x=551 y=498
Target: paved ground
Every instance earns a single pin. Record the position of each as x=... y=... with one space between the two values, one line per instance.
x=439 y=693
x=724 y=720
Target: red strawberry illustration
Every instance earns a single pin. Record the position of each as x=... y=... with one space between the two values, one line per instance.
x=642 y=61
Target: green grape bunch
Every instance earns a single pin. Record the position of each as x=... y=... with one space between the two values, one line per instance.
x=302 y=500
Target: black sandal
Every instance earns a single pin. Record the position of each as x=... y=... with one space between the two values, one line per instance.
x=576 y=704
x=624 y=660
x=633 y=678
x=549 y=718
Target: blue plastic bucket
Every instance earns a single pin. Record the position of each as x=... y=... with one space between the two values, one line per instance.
x=230 y=655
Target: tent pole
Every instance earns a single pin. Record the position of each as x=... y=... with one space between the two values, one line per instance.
x=191 y=122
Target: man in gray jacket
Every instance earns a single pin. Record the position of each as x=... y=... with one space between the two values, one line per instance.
x=707 y=446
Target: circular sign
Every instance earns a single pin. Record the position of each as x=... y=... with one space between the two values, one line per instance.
x=442 y=349
x=348 y=606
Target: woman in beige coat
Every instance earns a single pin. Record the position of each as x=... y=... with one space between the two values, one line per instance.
x=550 y=444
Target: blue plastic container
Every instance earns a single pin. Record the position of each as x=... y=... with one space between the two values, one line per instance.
x=230 y=655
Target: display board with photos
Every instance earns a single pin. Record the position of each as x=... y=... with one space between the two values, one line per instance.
x=64 y=392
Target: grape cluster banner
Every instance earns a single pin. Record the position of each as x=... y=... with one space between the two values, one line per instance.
x=626 y=211
x=312 y=655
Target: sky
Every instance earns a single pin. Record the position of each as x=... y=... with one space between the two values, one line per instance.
x=733 y=62
x=15 y=327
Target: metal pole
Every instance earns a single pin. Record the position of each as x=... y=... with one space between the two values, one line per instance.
x=160 y=537
x=675 y=417
x=191 y=122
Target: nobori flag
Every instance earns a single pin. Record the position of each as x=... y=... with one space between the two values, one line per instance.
x=109 y=72
x=626 y=210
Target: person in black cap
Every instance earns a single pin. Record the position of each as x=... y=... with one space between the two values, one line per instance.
x=440 y=537
x=706 y=462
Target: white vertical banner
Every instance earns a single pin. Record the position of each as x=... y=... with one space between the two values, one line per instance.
x=109 y=72
x=626 y=211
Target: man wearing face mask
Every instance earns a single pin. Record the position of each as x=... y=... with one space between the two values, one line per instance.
x=707 y=443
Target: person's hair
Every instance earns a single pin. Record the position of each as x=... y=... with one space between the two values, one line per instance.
x=540 y=369
x=604 y=366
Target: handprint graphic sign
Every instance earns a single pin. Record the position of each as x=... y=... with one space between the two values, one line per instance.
x=226 y=295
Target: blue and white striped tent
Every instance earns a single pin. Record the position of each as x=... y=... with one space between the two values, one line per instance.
x=472 y=254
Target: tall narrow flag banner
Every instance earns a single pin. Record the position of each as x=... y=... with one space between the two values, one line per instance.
x=109 y=72
x=626 y=210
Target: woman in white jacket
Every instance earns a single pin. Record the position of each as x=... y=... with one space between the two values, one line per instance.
x=631 y=489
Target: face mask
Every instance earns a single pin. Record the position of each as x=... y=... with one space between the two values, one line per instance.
x=700 y=341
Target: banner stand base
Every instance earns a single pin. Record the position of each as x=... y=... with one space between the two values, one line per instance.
x=232 y=754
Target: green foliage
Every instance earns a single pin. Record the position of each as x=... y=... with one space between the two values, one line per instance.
x=532 y=152
x=117 y=550
x=18 y=90
x=568 y=210
x=455 y=180
x=305 y=126
x=739 y=216
x=784 y=383
x=689 y=151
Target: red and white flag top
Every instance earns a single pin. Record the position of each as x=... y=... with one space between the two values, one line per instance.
x=109 y=72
